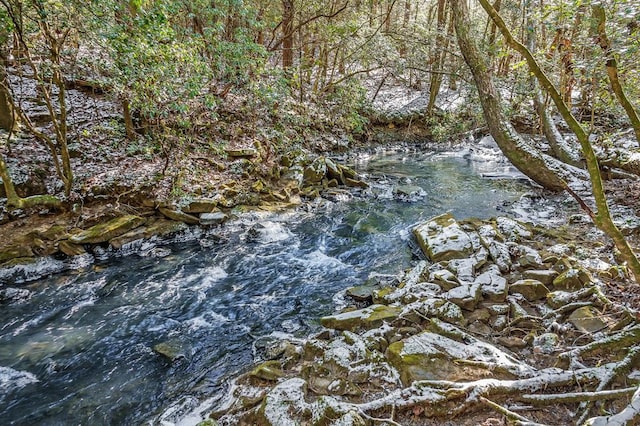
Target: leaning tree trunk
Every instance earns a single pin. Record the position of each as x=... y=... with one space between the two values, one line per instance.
x=525 y=158
x=602 y=217
x=559 y=147
x=612 y=69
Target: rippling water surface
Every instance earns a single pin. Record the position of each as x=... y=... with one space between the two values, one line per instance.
x=80 y=349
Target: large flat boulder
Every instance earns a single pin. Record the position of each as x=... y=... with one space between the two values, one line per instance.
x=442 y=238
x=432 y=356
x=366 y=318
x=105 y=231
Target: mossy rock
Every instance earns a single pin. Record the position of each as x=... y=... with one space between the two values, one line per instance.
x=432 y=356
x=572 y=279
x=530 y=289
x=71 y=249
x=545 y=276
x=106 y=231
x=179 y=216
x=316 y=171
x=14 y=252
x=269 y=370
x=587 y=319
x=367 y=318
x=241 y=152
x=201 y=205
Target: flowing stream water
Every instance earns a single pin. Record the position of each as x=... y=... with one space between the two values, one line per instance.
x=80 y=349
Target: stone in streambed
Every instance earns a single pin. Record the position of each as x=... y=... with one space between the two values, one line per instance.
x=172 y=350
x=363 y=293
x=408 y=191
x=106 y=231
x=445 y=279
x=366 y=318
x=14 y=252
x=315 y=172
x=442 y=238
x=512 y=230
x=493 y=286
x=467 y=296
x=210 y=219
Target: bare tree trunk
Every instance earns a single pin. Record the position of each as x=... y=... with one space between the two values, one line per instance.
x=287 y=29
x=612 y=69
x=439 y=54
x=559 y=147
x=602 y=217
x=8 y=117
x=525 y=158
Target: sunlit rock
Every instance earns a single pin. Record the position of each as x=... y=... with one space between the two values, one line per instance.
x=179 y=216
x=587 y=319
x=572 y=279
x=431 y=356
x=545 y=276
x=370 y=317
x=529 y=288
x=442 y=238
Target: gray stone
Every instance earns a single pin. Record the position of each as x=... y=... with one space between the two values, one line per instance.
x=529 y=257
x=463 y=268
x=215 y=218
x=512 y=230
x=467 y=296
x=363 y=293
x=408 y=191
x=445 y=279
x=431 y=356
x=499 y=252
x=441 y=238
x=493 y=286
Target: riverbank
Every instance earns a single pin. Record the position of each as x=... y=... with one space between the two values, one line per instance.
x=502 y=322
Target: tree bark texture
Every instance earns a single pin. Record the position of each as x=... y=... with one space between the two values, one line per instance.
x=287 y=38
x=602 y=218
x=612 y=69
x=524 y=157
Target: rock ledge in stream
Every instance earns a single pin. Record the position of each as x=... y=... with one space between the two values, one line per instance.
x=105 y=231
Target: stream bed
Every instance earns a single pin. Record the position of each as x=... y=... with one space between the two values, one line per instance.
x=80 y=349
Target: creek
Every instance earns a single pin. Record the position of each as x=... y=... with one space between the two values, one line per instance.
x=80 y=349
